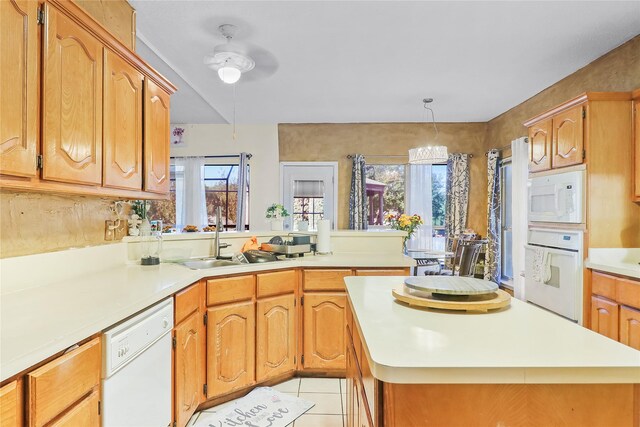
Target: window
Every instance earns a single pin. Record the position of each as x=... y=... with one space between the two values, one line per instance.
x=386 y=194
x=506 y=189
x=221 y=189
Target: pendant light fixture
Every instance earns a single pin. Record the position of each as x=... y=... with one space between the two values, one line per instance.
x=429 y=154
x=229 y=59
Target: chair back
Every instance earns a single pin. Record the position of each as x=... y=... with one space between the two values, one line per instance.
x=466 y=257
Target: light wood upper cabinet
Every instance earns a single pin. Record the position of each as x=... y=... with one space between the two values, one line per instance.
x=604 y=317
x=567 y=140
x=123 y=85
x=11 y=405
x=540 y=146
x=188 y=367
x=156 y=138
x=230 y=348
x=275 y=336
x=324 y=330
x=72 y=101
x=636 y=138
x=18 y=87
x=61 y=384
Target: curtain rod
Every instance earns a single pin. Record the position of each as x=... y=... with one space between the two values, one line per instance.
x=224 y=156
x=351 y=156
x=502 y=148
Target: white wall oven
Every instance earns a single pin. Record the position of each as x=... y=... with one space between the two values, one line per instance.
x=557 y=198
x=553 y=271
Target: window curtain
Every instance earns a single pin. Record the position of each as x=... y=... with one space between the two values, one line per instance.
x=191 y=206
x=457 y=188
x=492 y=264
x=241 y=212
x=358 y=217
x=418 y=200
x=519 y=176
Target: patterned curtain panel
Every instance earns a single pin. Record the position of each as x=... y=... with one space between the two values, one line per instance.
x=358 y=218
x=457 y=187
x=492 y=262
x=241 y=208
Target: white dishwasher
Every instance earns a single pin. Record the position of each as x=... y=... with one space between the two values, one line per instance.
x=136 y=357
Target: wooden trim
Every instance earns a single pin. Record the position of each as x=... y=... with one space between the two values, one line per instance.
x=82 y=18
x=585 y=97
x=51 y=187
x=635 y=94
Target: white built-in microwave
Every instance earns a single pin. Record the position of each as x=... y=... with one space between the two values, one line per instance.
x=557 y=197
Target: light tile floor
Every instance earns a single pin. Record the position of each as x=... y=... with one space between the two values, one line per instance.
x=328 y=394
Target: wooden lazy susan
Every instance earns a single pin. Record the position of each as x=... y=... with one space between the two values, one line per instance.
x=452 y=293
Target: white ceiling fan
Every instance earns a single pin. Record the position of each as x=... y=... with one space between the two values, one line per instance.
x=229 y=59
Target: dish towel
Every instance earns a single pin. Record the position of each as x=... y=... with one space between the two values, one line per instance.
x=538 y=264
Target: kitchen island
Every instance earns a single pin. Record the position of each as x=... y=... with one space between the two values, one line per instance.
x=517 y=366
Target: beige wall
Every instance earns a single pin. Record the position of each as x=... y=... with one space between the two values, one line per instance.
x=259 y=140
x=333 y=142
x=616 y=71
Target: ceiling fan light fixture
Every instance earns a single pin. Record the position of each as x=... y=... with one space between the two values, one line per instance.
x=229 y=74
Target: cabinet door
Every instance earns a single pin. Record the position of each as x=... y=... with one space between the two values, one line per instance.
x=11 y=406
x=84 y=413
x=72 y=102
x=57 y=385
x=324 y=331
x=189 y=367
x=275 y=336
x=604 y=317
x=156 y=138
x=540 y=146
x=636 y=137
x=230 y=348
x=630 y=327
x=122 y=167
x=567 y=138
x=18 y=87
x=352 y=377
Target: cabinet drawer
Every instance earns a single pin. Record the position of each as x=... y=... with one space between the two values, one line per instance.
x=11 y=404
x=325 y=280
x=278 y=282
x=60 y=383
x=628 y=292
x=603 y=284
x=230 y=289
x=84 y=413
x=383 y=272
x=187 y=301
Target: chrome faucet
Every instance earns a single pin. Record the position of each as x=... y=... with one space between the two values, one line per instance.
x=218 y=245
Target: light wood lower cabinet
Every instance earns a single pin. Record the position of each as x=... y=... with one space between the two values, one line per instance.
x=11 y=404
x=324 y=330
x=615 y=308
x=68 y=386
x=230 y=348
x=276 y=338
x=189 y=356
x=83 y=413
x=18 y=87
x=630 y=327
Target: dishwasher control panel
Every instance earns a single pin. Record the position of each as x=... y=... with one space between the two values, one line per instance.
x=126 y=340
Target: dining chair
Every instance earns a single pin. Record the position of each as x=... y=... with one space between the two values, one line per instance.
x=464 y=260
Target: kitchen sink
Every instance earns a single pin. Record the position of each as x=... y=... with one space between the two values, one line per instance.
x=201 y=264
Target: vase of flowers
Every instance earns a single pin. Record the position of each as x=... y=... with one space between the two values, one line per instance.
x=177 y=136
x=276 y=214
x=404 y=222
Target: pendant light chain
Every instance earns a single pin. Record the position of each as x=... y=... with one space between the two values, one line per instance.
x=234 y=112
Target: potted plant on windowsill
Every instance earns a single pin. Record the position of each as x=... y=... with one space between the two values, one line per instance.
x=276 y=214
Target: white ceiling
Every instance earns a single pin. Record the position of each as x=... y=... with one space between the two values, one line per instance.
x=363 y=61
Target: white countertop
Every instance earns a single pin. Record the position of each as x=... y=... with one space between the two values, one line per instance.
x=44 y=309
x=625 y=262
x=515 y=345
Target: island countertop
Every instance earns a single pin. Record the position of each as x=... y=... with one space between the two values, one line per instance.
x=520 y=344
